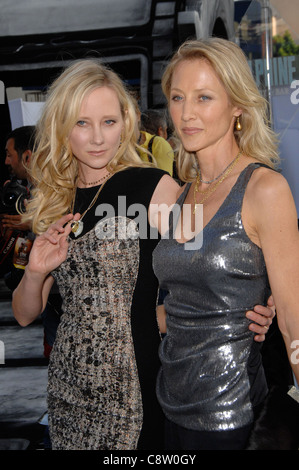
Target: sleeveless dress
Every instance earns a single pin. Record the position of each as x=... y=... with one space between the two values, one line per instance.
x=212 y=376
x=104 y=363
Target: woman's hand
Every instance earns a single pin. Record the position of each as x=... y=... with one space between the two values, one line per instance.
x=262 y=319
x=50 y=249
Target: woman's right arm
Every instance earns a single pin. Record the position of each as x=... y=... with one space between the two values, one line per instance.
x=30 y=297
x=48 y=252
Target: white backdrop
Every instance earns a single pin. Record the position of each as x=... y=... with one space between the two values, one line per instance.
x=24 y=113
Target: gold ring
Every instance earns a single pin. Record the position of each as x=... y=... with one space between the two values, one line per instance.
x=267 y=328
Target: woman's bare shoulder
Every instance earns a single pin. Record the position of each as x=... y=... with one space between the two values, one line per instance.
x=267 y=184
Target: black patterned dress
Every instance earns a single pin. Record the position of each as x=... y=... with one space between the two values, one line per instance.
x=104 y=363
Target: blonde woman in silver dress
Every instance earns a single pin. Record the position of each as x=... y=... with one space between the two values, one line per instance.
x=212 y=382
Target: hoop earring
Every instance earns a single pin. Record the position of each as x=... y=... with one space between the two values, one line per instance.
x=238 y=125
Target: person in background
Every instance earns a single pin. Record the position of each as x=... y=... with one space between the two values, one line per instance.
x=14 y=232
x=152 y=144
x=18 y=150
x=216 y=262
x=154 y=122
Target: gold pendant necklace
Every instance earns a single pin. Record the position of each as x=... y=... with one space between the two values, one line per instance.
x=210 y=190
x=78 y=225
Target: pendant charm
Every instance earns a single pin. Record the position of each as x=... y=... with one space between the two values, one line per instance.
x=195 y=208
x=77 y=227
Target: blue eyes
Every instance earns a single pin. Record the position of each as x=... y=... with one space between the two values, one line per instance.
x=200 y=98
x=176 y=98
x=108 y=122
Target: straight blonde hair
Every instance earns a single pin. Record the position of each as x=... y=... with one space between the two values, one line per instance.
x=256 y=139
x=54 y=169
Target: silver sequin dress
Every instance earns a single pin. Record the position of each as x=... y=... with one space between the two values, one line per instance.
x=212 y=374
x=104 y=363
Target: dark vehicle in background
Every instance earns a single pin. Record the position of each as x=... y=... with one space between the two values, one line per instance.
x=135 y=37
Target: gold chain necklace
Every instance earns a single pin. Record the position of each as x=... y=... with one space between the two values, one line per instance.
x=93 y=183
x=217 y=177
x=78 y=225
x=210 y=190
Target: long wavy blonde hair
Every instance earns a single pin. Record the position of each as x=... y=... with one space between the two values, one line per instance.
x=256 y=139
x=54 y=169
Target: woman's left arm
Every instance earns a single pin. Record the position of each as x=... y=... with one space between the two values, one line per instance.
x=276 y=226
